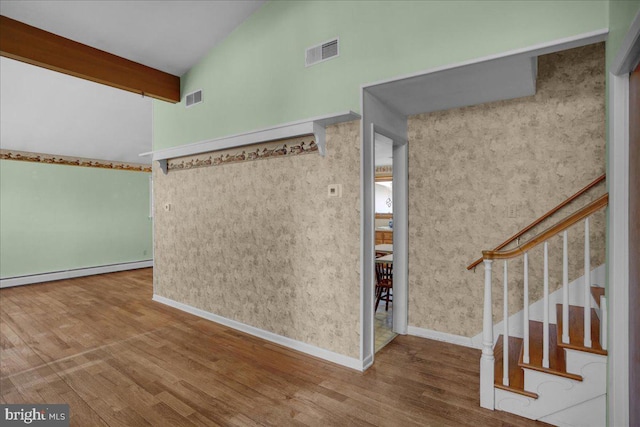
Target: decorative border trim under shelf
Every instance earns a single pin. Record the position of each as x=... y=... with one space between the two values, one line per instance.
x=26 y=156
x=315 y=126
x=269 y=150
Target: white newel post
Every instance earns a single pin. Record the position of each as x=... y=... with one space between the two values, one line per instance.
x=487 y=360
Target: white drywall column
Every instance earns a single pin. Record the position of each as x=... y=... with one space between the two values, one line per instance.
x=618 y=221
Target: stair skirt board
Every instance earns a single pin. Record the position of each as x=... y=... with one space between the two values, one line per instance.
x=591 y=413
x=587 y=413
x=576 y=292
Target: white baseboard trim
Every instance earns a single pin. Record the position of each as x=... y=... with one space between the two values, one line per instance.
x=441 y=336
x=69 y=274
x=368 y=361
x=300 y=346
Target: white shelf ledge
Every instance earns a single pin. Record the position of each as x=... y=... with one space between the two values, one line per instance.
x=315 y=126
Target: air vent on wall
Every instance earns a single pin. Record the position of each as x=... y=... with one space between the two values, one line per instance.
x=322 y=52
x=194 y=98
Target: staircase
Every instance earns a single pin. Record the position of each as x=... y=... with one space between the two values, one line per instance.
x=553 y=372
x=572 y=390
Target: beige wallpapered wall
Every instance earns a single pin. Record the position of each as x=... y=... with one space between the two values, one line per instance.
x=261 y=243
x=468 y=165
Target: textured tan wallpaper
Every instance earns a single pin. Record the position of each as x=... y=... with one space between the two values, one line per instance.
x=467 y=166
x=261 y=243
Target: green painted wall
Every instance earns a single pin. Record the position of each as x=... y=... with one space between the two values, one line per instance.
x=621 y=14
x=256 y=77
x=55 y=217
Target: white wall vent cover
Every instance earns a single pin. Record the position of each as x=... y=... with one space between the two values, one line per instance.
x=322 y=52
x=194 y=98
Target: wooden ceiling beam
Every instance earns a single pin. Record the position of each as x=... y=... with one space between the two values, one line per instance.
x=34 y=46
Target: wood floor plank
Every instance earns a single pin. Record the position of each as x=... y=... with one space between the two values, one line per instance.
x=117 y=358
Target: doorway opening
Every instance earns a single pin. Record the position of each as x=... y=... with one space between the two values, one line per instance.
x=388 y=248
x=383 y=293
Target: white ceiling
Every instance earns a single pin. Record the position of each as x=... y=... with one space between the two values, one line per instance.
x=48 y=112
x=171 y=36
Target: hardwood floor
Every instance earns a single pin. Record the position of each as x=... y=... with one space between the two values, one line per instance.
x=119 y=359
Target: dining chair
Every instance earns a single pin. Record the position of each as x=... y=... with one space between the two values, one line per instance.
x=384 y=283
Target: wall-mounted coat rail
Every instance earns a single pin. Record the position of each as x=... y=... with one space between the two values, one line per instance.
x=315 y=126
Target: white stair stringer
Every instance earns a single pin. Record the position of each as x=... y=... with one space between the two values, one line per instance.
x=558 y=395
x=589 y=413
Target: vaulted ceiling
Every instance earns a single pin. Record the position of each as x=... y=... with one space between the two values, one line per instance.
x=171 y=36
x=48 y=112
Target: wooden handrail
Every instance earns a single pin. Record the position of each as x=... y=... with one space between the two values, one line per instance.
x=542 y=218
x=583 y=213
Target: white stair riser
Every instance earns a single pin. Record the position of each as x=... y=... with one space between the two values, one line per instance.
x=514 y=403
x=591 y=413
x=577 y=361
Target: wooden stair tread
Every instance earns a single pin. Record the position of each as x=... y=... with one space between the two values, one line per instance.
x=516 y=374
x=557 y=363
x=576 y=330
x=597 y=292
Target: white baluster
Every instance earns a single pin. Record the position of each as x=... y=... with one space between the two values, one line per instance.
x=487 y=360
x=505 y=346
x=565 y=289
x=587 y=286
x=603 y=322
x=525 y=356
x=545 y=331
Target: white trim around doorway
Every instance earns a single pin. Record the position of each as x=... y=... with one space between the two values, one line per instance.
x=624 y=63
x=366 y=175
